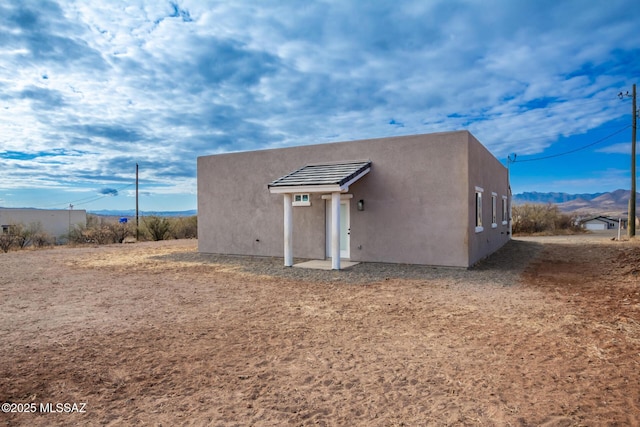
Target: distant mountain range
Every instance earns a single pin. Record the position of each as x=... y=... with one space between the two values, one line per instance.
x=132 y=213
x=612 y=203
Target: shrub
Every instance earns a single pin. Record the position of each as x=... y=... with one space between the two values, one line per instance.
x=78 y=234
x=7 y=240
x=531 y=218
x=185 y=227
x=22 y=235
x=101 y=231
x=31 y=235
x=105 y=230
x=17 y=235
x=119 y=231
x=42 y=239
x=157 y=228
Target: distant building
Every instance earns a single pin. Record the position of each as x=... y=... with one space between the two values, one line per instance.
x=436 y=199
x=602 y=223
x=55 y=222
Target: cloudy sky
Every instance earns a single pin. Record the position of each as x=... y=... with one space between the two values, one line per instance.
x=90 y=88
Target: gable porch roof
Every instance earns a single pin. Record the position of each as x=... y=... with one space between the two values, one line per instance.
x=321 y=177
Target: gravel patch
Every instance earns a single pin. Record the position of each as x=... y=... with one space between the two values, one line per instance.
x=502 y=268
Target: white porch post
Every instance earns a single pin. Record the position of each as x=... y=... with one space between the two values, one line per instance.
x=288 y=230
x=335 y=230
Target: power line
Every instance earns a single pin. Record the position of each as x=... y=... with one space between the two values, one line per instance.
x=102 y=197
x=575 y=149
x=557 y=135
x=90 y=199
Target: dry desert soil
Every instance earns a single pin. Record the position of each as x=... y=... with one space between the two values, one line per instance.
x=544 y=332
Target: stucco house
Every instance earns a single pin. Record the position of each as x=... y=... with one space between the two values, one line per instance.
x=437 y=199
x=55 y=222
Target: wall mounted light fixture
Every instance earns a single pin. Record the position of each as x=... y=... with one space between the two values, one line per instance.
x=360 y=205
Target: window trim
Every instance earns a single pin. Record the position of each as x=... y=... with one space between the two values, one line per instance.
x=505 y=210
x=479 y=228
x=494 y=210
x=302 y=201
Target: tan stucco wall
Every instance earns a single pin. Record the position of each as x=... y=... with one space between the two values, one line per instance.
x=53 y=221
x=486 y=172
x=416 y=201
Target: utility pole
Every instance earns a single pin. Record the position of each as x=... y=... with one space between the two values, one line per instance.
x=510 y=160
x=70 y=209
x=631 y=229
x=137 y=223
x=632 y=199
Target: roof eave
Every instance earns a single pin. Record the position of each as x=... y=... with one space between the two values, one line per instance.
x=307 y=189
x=325 y=188
x=356 y=177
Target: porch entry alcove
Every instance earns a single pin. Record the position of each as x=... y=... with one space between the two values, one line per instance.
x=333 y=181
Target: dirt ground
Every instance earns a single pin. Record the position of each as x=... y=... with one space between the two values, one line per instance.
x=144 y=340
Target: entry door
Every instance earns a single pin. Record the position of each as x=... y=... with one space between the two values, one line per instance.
x=345 y=229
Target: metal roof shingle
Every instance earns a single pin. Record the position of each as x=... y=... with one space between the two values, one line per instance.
x=323 y=174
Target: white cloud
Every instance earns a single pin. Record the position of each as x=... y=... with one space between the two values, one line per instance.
x=160 y=83
x=620 y=148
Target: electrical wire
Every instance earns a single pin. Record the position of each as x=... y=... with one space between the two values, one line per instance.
x=90 y=199
x=101 y=197
x=574 y=150
x=558 y=135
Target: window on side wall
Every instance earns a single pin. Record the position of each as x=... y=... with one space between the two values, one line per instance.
x=301 y=200
x=505 y=211
x=494 y=210
x=479 y=192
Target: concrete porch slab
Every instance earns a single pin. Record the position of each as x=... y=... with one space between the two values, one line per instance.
x=324 y=264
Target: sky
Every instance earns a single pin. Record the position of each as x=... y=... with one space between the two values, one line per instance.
x=89 y=89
